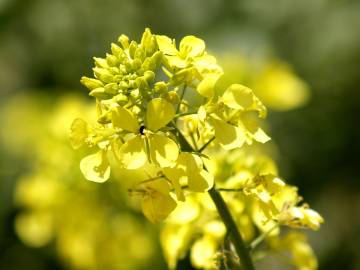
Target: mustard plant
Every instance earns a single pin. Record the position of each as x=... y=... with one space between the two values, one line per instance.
x=160 y=110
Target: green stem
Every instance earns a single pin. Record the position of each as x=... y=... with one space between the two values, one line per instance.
x=257 y=241
x=238 y=242
x=184 y=114
x=206 y=144
x=230 y=189
x=181 y=98
x=241 y=249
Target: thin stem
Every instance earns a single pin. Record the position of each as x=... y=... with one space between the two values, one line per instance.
x=184 y=114
x=181 y=98
x=224 y=212
x=230 y=189
x=194 y=142
x=257 y=241
x=236 y=239
x=151 y=179
x=206 y=144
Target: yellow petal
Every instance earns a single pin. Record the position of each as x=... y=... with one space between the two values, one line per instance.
x=228 y=136
x=202 y=113
x=206 y=182
x=163 y=150
x=206 y=86
x=189 y=162
x=237 y=96
x=124 y=119
x=198 y=179
x=174 y=175
x=312 y=219
x=176 y=61
x=96 y=167
x=192 y=46
x=157 y=203
x=159 y=112
x=79 y=132
x=133 y=153
x=166 y=45
x=261 y=136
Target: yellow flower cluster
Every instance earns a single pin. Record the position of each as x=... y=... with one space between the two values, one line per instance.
x=260 y=203
x=158 y=107
x=163 y=113
x=87 y=226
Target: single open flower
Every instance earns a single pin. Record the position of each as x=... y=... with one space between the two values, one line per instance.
x=149 y=143
x=189 y=168
x=236 y=120
x=190 y=63
x=157 y=203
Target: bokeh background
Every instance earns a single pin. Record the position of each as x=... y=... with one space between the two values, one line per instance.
x=306 y=53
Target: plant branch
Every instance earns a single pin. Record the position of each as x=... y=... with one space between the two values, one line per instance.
x=224 y=212
x=181 y=98
x=238 y=242
x=206 y=144
x=230 y=189
x=261 y=237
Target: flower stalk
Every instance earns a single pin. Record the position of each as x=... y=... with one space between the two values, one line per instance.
x=241 y=249
x=235 y=236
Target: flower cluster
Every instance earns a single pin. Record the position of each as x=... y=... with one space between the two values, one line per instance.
x=164 y=115
x=260 y=202
x=159 y=108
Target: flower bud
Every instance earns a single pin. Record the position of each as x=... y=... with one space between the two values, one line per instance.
x=100 y=62
x=160 y=87
x=140 y=54
x=132 y=48
x=91 y=83
x=149 y=76
x=99 y=93
x=124 y=41
x=172 y=97
x=111 y=88
x=116 y=50
x=121 y=99
x=103 y=74
x=136 y=64
x=112 y=60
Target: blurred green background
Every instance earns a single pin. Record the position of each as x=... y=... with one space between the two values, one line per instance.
x=46 y=46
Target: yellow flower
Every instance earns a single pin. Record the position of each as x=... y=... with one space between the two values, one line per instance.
x=189 y=168
x=300 y=217
x=96 y=167
x=157 y=203
x=148 y=143
x=190 y=47
x=235 y=117
x=190 y=64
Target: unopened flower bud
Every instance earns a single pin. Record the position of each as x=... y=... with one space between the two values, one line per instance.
x=124 y=41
